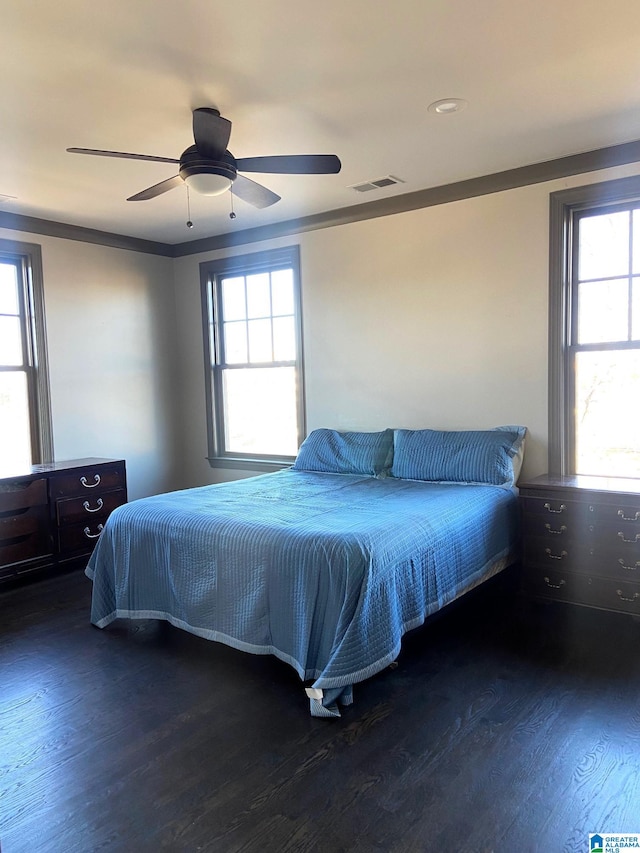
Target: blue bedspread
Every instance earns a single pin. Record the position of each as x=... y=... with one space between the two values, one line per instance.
x=325 y=571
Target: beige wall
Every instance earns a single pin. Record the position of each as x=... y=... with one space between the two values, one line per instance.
x=430 y=318
x=111 y=341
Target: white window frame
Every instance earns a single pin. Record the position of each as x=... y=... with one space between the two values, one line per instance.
x=27 y=258
x=211 y=273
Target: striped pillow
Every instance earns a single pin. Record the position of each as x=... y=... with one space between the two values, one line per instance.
x=470 y=456
x=332 y=452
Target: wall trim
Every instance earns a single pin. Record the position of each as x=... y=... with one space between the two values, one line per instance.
x=65 y=231
x=549 y=170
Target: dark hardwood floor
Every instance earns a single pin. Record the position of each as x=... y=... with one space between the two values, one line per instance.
x=506 y=726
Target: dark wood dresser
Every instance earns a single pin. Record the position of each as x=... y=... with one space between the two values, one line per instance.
x=581 y=541
x=52 y=515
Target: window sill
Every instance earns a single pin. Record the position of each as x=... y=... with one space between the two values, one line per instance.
x=244 y=464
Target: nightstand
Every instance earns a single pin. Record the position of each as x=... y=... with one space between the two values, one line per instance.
x=581 y=541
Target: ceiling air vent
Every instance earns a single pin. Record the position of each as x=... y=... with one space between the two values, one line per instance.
x=378 y=184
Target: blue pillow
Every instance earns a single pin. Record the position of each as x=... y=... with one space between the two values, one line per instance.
x=470 y=456
x=333 y=452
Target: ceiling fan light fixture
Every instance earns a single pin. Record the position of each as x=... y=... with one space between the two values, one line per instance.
x=208 y=183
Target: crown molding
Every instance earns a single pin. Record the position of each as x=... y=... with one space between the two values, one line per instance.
x=549 y=170
x=65 y=231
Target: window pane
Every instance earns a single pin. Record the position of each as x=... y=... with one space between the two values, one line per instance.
x=15 y=435
x=10 y=341
x=233 y=300
x=635 y=311
x=607 y=413
x=235 y=343
x=604 y=246
x=258 y=301
x=8 y=289
x=260 y=408
x=260 y=341
x=284 y=339
x=282 y=292
x=603 y=311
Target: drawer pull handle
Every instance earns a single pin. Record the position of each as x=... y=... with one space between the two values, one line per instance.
x=554 y=585
x=624 y=517
x=557 y=532
x=623 y=597
x=90 y=535
x=555 y=511
x=628 y=568
x=99 y=505
x=636 y=538
x=559 y=556
x=96 y=477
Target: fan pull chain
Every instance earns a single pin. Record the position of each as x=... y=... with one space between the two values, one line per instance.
x=189 y=222
x=232 y=215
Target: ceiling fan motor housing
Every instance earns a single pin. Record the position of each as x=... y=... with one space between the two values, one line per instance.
x=193 y=163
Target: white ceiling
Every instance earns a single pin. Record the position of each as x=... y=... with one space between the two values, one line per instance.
x=542 y=79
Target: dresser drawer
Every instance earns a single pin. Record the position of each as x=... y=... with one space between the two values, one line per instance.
x=555 y=510
x=22 y=494
x=599 y=556
x=618 y=560
x=555 y=553
x=627 y=516
x=592 y=591
x=24 y=536
x=554 y=529
x=94 y=507
x=87 y=481
x=78 y=539
x=616 y=537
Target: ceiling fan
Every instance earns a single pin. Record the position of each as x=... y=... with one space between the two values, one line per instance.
x=208 y=168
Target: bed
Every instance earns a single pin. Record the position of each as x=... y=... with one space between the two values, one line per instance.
x=326 y=564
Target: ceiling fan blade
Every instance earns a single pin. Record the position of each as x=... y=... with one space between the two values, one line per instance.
x=121 y=154
x=292 y=164
x=211 y=132
x=157 y=189
x=253 y=193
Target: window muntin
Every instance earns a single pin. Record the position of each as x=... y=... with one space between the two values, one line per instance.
x=254 y=359
x=25 y=424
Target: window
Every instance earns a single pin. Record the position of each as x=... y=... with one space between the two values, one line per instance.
x=253 y=359
x=25 y=422
x=595 y=330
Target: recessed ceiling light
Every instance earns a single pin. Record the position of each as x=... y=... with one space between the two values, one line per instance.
x=447 y=105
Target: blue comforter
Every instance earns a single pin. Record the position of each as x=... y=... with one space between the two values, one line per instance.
x=325 y=571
